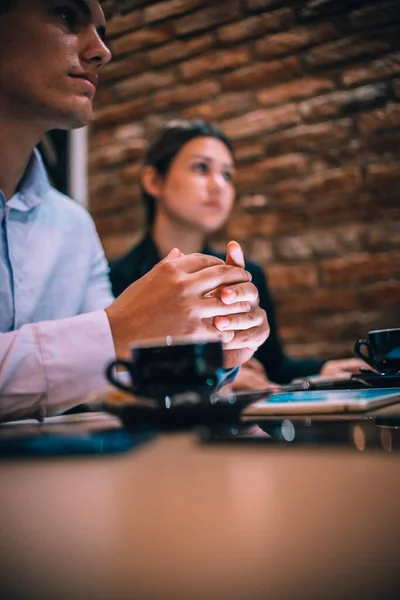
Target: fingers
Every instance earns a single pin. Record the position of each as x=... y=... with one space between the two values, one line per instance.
x=213 y=307
x=234 y=358
x=192 y=263
x=249 y=337
x=240 y=322
x=234 y=254
x=240 y=292
x=208 y=279
x=248 y=378
x=174 y=253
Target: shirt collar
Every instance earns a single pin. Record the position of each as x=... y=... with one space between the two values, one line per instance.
x=33 y=187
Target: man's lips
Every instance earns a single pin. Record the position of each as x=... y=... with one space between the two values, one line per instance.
x=93 y=78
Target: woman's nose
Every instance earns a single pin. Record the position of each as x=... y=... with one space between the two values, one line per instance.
x=217 y=181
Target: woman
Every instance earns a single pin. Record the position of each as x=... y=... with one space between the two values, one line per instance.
x=188 y=189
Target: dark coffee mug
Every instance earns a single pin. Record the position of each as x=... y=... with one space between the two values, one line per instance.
x=157 y=371
x=381 y=350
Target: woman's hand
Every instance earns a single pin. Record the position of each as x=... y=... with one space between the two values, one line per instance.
x=252 y=376
x=342 y=368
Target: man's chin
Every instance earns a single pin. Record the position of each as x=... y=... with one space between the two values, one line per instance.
x=76 y=117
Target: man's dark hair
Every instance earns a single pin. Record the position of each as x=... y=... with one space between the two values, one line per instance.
x=167 y=145
x=6 y=5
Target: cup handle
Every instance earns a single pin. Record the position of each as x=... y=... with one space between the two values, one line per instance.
x=109 y=373
x=363 y=343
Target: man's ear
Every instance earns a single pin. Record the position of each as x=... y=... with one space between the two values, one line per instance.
x=151 y=181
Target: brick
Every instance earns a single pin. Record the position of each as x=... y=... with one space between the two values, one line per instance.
x=178 y=50
x=298 y=88
x=122 y=68
x=323 y=349
x=254 y=5
x=120 y=197
x=139 y=40
x=245 y=151
x=361 y=267
x=111 y=155
x=273 y=169
x=209 y=17
x=260 y=121
x=143 y=84
x=292 y=276
x=259 y=247
x=295 y=39
x=376 y=69
x=383 y=174
x=130 y=173
x=344 y=102
x=336 y=181
x=262 y=74
x=254 y=27
x=122 y=221
x=321 y=243
x=241 y=225
x=168 y=9
x=123 y=23
x=120 y=113
x=224 y=106
x=104 y=96
x=383 y=234
x=325 y=8
x=381 y=119
x=218 y=60
x=396 y=88
x=309 y=138
x=287 y=192
x=379 y=13
x=184 y=94
x=350 y=48
x=382 y=294
x=254 y=201
x=318 y=301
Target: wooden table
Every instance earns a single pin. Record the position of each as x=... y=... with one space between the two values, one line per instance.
x=179 y=520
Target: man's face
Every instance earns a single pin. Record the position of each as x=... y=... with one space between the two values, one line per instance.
x=50 y=54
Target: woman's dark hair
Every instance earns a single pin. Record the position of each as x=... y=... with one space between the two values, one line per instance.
x=167 y=145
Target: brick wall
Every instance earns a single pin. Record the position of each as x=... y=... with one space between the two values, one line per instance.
x=310 y=93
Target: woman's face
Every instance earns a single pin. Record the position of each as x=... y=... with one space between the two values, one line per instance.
x=198 y=190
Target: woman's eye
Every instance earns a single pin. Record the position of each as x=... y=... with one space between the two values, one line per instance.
x=200 y=167
x=228 y=176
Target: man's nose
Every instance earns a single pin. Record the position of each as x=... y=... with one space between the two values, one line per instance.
x=96 y=50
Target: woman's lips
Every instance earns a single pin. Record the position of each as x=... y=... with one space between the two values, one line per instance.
x=213 y=205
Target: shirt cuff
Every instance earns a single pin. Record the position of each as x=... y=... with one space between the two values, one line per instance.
x=74 y=352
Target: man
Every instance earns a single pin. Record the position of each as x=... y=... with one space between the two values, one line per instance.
x=60 y=324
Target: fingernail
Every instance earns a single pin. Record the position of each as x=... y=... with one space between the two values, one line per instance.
x=249 y=275
x=227 y=336
x=223 y=322
x=231 y=293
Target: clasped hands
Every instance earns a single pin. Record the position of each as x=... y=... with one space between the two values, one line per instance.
x=193 y=295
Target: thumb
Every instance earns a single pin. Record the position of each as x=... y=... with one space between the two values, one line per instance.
x=174 y=253
x=234 y=255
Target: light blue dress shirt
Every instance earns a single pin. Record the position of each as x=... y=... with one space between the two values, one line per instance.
x=52 y=264
x=55 y=338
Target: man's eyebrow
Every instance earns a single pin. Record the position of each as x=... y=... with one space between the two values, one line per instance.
x=210 y=160
x=85 y=8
